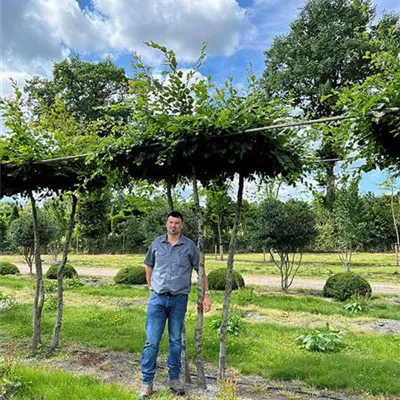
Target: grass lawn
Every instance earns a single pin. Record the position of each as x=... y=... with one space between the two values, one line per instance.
x=113 y=317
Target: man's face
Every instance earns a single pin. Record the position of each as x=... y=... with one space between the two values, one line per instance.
x=174 y=225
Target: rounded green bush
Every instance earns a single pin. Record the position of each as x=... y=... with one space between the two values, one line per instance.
x=7 y=268
x=345 y=285
x=69 y=272
x=216 y=280
x=131 y=276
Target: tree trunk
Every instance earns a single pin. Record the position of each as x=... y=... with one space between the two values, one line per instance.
x=28 y=257
x=39 y=288
x=185 y=357
x=169 y=197
x=60 y=274
x=228 y=284
x=221 y=246
x=330 y=181
x=397 y=245
x=200 y=289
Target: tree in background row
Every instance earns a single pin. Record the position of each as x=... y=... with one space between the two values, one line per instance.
x=287 y=229
x=323 y=52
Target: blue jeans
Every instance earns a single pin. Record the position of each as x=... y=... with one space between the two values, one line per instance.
x=161 y=308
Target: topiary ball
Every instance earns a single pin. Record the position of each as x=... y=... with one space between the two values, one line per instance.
x=69 y=272
x=217 y=278
x=7 y=268
x=131 y=276
x=345 y=285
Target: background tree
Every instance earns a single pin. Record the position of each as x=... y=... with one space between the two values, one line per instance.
x=288 y=228
x=374 y=104
x=390 y=185
x=86 y=87
x=219 y=212
x=349 y=225
x=93 y=220
x=324 y=51
x=21 y=235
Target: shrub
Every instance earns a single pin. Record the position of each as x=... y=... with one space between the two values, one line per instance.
x=345 y=285
x=69 y=272
x=131 y=276
x=353 y=306
x=216 y=280
x=7 y=268
x=324 y=341
x=235 y=324
x=6 y=302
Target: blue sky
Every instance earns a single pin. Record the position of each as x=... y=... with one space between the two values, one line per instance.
x=37 y=33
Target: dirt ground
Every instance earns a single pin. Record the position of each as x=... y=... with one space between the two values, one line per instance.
x=124 y=368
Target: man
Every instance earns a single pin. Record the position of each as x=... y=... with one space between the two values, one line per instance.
x=169 y=264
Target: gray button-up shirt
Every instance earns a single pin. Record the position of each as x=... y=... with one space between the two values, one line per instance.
x=172 y=265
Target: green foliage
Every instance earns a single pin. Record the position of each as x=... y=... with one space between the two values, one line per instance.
x=11 y=383
x=285 y=227
x=324 y=341
x=182 y=120
x=6 y=302
x=321 y=52
x=235 y=324
x=38 y=132
x=328 y=48
x=220 y=210
x=92 y=220
x=7 y=268
x=103 y=83
x=131 y=276
x=353 y=307
x=348 y=213
x=217 y=280
x=21 y=232
x=72 y=283
x=69 y=271
x=374 y=102
x=346 y=285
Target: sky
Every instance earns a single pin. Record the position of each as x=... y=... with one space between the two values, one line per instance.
x=37 y=33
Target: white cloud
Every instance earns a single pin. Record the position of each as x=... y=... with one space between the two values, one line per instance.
x=179 y=24
x=37 y=33
x=38 y=28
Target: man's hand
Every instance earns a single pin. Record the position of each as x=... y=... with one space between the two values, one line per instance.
x=207 y=302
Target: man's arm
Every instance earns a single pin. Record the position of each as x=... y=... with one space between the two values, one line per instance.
x=149 y=272
x=207 y=295
x=149 y=262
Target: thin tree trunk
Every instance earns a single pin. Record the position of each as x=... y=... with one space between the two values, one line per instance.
x=185 y=357
x=228 y=284
x=221 y=246
x=60 y=274
x=200 y=289
x=395 y=227
x=330 y=181
x=169 y=196
x=39 y=288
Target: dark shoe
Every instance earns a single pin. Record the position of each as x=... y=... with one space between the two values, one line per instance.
x=176 y=387
x=146 y=390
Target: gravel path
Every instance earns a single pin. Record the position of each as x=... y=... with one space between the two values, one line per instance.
x=298 y=283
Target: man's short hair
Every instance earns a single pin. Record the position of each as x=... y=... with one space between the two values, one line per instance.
x=175 y=214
